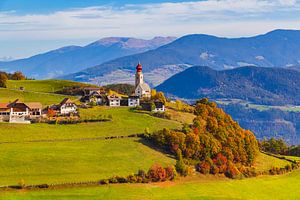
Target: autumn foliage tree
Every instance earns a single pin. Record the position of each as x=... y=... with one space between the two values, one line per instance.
x=214 y=140
x=3 y=80
x=18 y=76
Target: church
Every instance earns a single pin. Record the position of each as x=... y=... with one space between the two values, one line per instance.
x=142 y=89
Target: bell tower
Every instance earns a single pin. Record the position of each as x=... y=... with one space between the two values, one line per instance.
x=139 y=78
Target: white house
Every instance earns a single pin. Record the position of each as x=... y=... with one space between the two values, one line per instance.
x=67 y=107
x=114 y=100
x=20 y=112
x=159 y=107
x=133 y=101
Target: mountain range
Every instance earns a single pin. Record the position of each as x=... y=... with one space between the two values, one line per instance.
x=259 y=85
x=278 y=48
x=71 y=59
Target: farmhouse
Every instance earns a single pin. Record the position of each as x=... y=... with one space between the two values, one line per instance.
x=155 y=106
x=142 y=89
x=131 y=101
x=94 y=97
x=114 y=100
x=66 y=107
x=90 y=90
x=20 y=112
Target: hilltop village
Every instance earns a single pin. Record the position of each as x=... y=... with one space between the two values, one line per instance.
x=27 y=112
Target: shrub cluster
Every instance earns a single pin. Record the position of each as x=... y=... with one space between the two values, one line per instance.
x=283 y=170
x=162 y=115
x=156 y=173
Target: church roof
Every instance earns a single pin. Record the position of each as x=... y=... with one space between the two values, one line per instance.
x=144 y=86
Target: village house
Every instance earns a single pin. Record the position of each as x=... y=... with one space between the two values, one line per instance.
x=20 y=112
x=114 y=100
x=131 y=101
x=66 y=107
x=156 y=106
x=94 y=97
x=159 y=107
x=90 y=90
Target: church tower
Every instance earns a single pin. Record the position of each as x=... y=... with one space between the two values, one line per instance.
x=142 y=89
x=139 y=78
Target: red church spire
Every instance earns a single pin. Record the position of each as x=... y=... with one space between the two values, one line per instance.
x=139 y=67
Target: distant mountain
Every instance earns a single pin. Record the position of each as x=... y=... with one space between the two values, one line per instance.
x=279 y=48
x=268 y=86
x=75 y=58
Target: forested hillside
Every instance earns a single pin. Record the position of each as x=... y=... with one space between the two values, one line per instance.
x=267 y=86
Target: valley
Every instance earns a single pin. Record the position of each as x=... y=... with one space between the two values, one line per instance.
x=55 y=154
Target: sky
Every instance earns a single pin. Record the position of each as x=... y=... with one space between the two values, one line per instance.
x=29 y=27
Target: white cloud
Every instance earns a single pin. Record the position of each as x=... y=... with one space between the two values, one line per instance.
x=220 y=17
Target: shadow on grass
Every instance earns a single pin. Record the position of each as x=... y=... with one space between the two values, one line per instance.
x=154 y=147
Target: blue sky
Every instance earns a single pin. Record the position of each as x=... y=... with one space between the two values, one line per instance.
x=28 y=27
x=46 y=6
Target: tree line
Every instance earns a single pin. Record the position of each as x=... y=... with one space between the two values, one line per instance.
x=4 y=76
x=279 y=146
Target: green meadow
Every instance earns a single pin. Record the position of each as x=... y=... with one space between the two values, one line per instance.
x=49 y=86
x=56 y=161
x=284 y=187
x=75 y=161
x=7 y=95
x=124 y=123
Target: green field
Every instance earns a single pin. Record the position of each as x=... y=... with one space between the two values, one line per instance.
x=76 y=161
x=265 y=162
x=124 y=122
x=49 y=86
x=207 y=188
x=57 y=161
x=7 y=95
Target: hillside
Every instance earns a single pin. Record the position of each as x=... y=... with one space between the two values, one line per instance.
x=71 y=59
x=91 y=151
x=278 y=48
x=267 y=86
x=47 y=86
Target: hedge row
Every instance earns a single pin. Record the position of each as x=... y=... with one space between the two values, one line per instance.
x=156 y=173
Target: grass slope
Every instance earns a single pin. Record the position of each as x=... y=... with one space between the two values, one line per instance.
x=124 y=122
x=7 y=95
x=50 y=86
x=261 y=188
x=78 y=160
x=265 y=162
x=59 y=162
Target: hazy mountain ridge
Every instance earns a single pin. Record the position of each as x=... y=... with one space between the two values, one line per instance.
x=70 y=59
x=278 y=48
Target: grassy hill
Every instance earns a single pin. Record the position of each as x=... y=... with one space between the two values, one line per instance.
x=75 y=161
x=39 y=153
x=7 y=95
x=48 y=86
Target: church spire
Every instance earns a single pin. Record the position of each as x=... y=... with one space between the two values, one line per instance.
x=139 y=67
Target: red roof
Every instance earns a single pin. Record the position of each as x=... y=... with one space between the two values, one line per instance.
x=139 y=67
